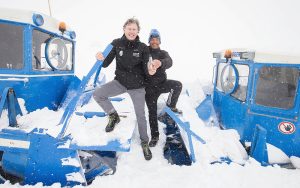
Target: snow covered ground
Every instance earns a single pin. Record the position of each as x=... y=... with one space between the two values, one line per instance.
x=191 y=31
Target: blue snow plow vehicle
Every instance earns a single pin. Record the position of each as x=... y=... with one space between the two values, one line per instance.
x=37 y=66
x=256 y=94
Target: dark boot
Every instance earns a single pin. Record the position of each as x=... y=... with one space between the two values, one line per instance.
x=153 y=141
x=114 y=119
x=176 y=110
x=146 y=151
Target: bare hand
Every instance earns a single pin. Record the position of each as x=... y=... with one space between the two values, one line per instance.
x=151 y=69
x=156 y=63
x=99 y=56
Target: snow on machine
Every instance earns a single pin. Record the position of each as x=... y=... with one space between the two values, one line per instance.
x=257 y=94
x=37 y=70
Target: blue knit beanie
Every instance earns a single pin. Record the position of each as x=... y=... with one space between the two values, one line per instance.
x=154 y=33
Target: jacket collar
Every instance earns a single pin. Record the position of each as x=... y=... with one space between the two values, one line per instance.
x=154 y=50
x=130 y=43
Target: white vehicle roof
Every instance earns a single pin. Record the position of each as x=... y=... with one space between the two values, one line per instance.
x=25 y=16
x=262 y=57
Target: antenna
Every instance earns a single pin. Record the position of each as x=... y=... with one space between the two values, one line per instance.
x=49 y=7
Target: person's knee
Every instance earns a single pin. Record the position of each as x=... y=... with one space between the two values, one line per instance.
x=179 y=85
x=97 y=95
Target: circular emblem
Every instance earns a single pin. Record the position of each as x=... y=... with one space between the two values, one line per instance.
x=121 y=53
x=286 y=127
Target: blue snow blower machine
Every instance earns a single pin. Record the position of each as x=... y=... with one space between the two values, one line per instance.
x=256 y=94
x=37 y=66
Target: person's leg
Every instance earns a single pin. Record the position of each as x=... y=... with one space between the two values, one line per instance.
x=138 y=100
x=101 y=95
x=109 y=89
x=174 y=87
x=151 y=101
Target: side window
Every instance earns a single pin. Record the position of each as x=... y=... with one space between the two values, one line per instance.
x=227 y=77
x=276 y=87
x=241 y=91
x=59 y=52
x=11 y=46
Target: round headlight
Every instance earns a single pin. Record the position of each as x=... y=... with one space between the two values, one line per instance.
x=38 y=19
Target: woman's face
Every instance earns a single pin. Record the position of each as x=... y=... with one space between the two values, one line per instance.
x=131 y=31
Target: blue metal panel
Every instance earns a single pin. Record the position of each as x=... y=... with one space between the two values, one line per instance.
x=40 y=92
x=45 y=160
x=14 y=163
x=259 y=145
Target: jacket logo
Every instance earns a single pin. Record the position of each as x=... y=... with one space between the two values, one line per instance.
x=136 y=54
x=121 y=53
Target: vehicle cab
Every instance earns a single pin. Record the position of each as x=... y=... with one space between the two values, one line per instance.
x=36 y=57
x=253 y=88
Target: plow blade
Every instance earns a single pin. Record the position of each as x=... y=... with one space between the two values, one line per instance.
x=207 y=113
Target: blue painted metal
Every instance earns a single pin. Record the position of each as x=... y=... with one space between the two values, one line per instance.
x=243 y=116
x=49 y=160
x=91 y=114
x=175 y=149
x=2 y=179
x=37 y=157
x=38 y=88
x=71 y=107
x=186 y=128
x=259 y=145
x=183 y=125
x=9 y=100
x=206 y=112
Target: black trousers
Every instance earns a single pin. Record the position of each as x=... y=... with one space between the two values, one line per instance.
x=153 y=92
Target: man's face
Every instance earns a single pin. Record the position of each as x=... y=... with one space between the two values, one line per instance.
x=131 y=31
x=154 y=43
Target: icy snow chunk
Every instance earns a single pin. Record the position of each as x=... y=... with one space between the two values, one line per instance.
x=276 y=155
x=76 y=176
x=295 y=161
x=70 y=162
x=195 y=92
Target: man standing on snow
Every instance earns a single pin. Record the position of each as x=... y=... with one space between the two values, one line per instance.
x=132 y=57
x=158 y=83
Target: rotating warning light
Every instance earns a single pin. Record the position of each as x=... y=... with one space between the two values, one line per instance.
x=228 y=54
x=62 y=27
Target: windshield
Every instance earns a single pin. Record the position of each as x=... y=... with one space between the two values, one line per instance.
x=11 y=46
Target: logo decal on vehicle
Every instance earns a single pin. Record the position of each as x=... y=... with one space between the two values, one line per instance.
x=286 y=127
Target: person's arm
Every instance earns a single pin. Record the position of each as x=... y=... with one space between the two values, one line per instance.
x=146 y=59
x=110 y=57
x=167 y=61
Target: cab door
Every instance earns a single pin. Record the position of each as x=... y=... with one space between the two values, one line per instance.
x=230 y=95
x=274 y=105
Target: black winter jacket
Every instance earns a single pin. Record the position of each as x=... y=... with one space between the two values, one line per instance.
x=166 y=62
x=131 y=62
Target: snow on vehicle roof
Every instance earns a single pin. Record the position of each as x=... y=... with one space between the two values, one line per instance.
x=25 y=16
x=260 y=57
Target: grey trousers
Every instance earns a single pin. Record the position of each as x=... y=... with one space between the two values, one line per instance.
x=114 y=88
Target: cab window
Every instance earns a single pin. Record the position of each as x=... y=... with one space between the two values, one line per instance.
x=59 y=52
x=276 y=87
x=11 y=46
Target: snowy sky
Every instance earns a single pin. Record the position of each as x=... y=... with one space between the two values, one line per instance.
x=191 y=30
